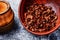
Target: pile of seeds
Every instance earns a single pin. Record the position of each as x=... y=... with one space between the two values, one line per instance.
x=39 y=18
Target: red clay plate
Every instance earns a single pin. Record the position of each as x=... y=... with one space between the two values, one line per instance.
x=55 y=6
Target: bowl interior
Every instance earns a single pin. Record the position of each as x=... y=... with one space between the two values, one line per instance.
x=26 y=3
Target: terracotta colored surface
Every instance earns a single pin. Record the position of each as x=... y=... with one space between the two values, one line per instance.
x=26 y=3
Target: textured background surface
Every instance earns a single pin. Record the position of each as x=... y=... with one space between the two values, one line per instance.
x=19 y=33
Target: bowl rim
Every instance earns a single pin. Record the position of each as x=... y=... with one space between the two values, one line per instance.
x=46 y=33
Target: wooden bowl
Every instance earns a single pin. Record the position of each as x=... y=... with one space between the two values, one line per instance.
x=53 y=4
x=6 y=17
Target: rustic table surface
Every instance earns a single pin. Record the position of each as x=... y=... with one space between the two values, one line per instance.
x=19 y=33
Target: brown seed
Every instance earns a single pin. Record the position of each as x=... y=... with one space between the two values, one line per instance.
x=40 y=18
x=28 y=20
x=50 y=8
x=29 y=16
